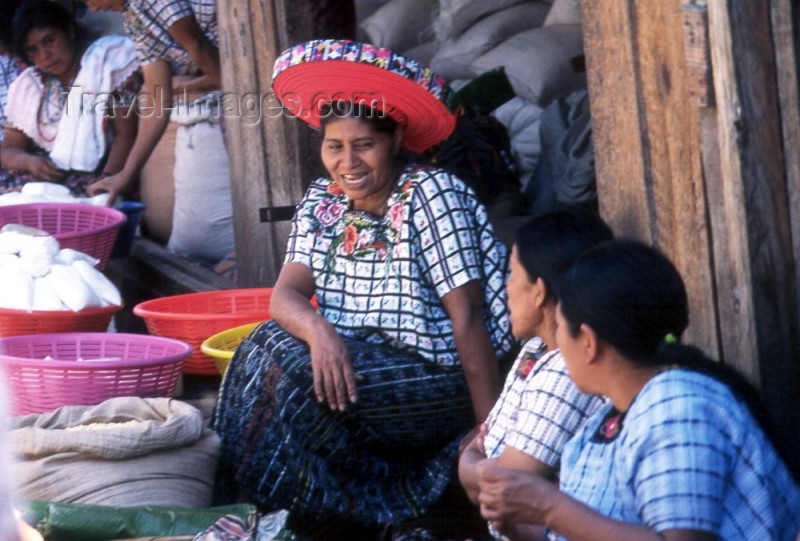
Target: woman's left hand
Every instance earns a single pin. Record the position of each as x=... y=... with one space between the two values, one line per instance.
x=513 y=495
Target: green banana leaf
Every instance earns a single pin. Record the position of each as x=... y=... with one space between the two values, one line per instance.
x=80 y=522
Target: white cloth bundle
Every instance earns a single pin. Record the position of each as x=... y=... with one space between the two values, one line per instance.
x=72 y=289
x=42 y=277
x=18 y=288
x=96 y=280
x=37 y=254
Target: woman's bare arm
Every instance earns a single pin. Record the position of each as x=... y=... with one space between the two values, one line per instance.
x=334 y=379
x=464 y=305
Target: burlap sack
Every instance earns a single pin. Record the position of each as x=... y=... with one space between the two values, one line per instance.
x=454 y=57
x=521 y=119
x=202 y=221
x=455 y=16
x=538 y=62
x=564 y=12
x=157 y=186
x=122 y=452
x=401 y=24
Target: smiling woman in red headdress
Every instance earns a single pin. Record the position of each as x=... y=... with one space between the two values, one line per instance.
x=352 y=414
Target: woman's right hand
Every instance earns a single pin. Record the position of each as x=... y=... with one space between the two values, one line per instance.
x=510 y=495
x=334 y=379
x=112 y=184
x=43 y=168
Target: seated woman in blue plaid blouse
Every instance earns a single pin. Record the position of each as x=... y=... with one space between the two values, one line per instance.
x=678 y=453
x=540 y=408
x=351 y=415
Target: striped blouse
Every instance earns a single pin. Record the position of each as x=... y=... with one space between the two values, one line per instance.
x=688 y=456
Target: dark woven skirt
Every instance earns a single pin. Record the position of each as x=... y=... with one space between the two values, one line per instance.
x=386 y=459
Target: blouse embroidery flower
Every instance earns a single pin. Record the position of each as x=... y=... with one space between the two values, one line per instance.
x=350 y=238
x=529 y=359
x=358 y=234
x=329 y=212
x=526 y=365
x=610 y=428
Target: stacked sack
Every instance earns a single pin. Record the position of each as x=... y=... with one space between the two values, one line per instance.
x=37 y=275
x=535 y=41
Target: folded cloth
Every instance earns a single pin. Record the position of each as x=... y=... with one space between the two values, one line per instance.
x=255 y=527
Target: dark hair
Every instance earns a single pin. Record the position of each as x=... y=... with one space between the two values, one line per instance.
x=378 y=120
x=632 y=297
x=549 y=244
x=7 y=9
x=629 y=294
x=38 y=14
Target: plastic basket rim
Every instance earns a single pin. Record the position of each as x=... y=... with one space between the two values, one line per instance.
x=94 y=310
x=145 y=310
x=89 y=365
x=217 y=353
x=121 y=217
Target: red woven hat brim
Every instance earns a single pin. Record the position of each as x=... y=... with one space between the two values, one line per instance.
x=303 y=88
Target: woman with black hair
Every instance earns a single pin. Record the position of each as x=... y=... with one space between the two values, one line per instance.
x=678 y=453
x=350 y=415
x=540 y=408
x=67 y=114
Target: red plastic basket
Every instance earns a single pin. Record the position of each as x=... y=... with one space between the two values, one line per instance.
x=148 y=366
x=87 y=228
x=17 y=322
x=193 y=317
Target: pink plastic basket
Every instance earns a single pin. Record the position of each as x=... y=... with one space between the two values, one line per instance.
x=87 y=228
x=114 y=364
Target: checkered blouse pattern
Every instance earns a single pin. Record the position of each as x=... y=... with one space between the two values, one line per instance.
x=381 y=279
x=9 y=70
x=147 y=23
x=538 y=412
x=689 y=456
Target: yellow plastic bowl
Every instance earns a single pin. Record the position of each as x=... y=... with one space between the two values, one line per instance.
x=222 y=345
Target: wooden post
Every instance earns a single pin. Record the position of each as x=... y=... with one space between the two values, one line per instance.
x=272 y=156
x=647 y=154
x=702 y=173
x=750 y=130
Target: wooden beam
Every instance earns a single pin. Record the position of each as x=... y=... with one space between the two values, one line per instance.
x=620 y=159
x=245 y=142
x=786 y=43
x=760 y=256
x=728 y=217
x=678 y=194
x=646 y=139
x=272 y=157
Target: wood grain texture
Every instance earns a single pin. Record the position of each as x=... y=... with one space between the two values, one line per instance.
x=273 y=157
x=756 y=267
x=246 y=146
x=677 y=188
x=698 y=57
x=783 y=36
x=766 y=198
x=727 y=209
x=620 y=161
x=649 y=170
